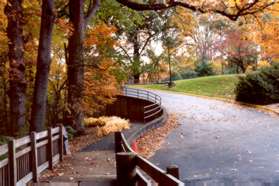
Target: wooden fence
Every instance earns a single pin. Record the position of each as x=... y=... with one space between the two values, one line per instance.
x=22 y=160
x=151 y=111
x=133 y=169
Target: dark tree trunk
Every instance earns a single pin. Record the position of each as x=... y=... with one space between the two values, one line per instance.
x=43 y=64
x=136 y=59
x=75 y=64
x=136 y=78
x=170 y=73
x=13 y=11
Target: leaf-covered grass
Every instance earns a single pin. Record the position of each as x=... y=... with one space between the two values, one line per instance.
x=221 y=86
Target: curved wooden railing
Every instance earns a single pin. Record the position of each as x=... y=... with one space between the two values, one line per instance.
x=132 y=169
x=150 y=111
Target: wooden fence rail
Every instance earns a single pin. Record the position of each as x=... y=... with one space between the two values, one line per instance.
x=151 y=111
x=23 y=159
x=131 y=168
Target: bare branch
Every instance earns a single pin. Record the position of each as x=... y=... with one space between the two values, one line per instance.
x=92 y=9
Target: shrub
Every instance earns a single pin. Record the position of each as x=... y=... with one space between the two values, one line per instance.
x=260 y=87
x=113 y=124
x=106 y=125
x=188 y=74
x=94 y=122
x=70 y=132
x=204 y=69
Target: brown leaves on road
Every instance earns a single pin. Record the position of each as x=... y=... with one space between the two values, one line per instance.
x=150 y=142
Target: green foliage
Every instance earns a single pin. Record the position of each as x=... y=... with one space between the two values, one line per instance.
x=70 y=131
x=204 y=69
x=188 y=74
x=261 y=87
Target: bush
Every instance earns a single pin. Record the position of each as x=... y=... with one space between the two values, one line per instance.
x=70 y=132
x=106 y=125
x=204 y=69
x=261 y=87
x=188 y=74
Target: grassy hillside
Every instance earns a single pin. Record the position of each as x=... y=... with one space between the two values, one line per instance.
x=213 y=86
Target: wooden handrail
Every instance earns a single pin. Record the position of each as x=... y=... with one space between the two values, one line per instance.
x=22 y=164
x=149 y=112
x=128 y=161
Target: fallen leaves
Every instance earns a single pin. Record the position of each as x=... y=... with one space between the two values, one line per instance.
x=151 y=141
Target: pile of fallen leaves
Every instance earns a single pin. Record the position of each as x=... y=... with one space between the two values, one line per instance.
x=151 y=141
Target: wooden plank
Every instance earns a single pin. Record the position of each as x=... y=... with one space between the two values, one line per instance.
x=4 y=162
x=12 y=163
x=23 y=181
x=50 y=148
x=55 y=159
x=141 y=180
x=3 y=149
x=23 y=151
x=43 y=167
x=41 y=135
x=61 y=142
x=59 y=184
x=34 y=155
x=22 y=141
x=157 y=174
x=55 y=137
x=42 y=143
x=55 y=130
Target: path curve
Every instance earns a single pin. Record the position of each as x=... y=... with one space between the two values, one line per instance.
x=220 y=141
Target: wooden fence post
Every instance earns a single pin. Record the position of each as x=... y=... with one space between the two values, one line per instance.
x=34 y=157
x=117 y=142
x=173 y=170
x=61 y=142
x=12 y=162
x=125 y=168
x=50 y=149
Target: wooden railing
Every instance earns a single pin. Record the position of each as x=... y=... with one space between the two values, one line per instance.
x=23 y=159
x=150 y=111
x=132 y=169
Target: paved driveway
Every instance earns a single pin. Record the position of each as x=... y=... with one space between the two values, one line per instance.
x=218 y=142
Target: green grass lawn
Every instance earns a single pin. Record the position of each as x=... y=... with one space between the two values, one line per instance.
x=221 y=86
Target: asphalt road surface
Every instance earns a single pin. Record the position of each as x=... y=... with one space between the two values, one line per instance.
x=219 y=143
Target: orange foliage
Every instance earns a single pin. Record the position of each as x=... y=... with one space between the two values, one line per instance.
x=100 y=84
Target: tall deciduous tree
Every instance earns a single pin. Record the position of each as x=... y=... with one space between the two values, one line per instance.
x=14 y=13
x=75 y=63
x=43 y=65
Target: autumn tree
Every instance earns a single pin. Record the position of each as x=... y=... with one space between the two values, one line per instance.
x=17 y=82
x=238 y=50
x=75 y=60
x=43 y=65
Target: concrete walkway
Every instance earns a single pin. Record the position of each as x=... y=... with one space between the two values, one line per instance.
x=93 y=165
x=220 y=143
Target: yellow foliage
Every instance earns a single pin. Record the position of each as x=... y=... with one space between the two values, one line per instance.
x=107 y=125
x=94 y=122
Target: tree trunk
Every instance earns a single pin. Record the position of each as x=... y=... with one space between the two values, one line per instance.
x=75 y=64
x=136 y=78
x=14 y=13
x=136 y=59
x=170 y=73
x=38 y=114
